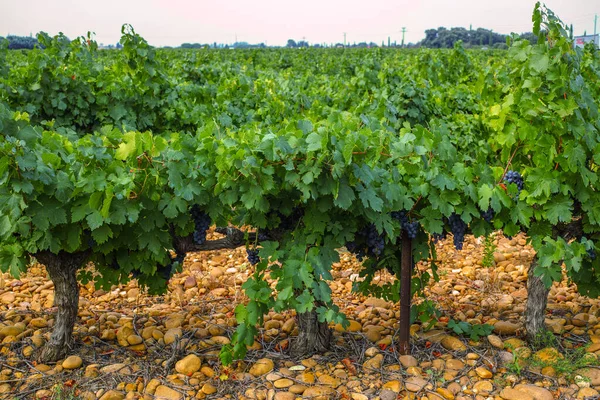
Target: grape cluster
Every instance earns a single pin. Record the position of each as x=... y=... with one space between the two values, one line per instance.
x=262 y=235
x=167 y=271
x=202 y=223
x=356 y=250
x=400 y=216
x=591 y=253
x=253 y=257
x=439 y=236
x=411 y=228
x=367 y=243
x=114 y=265
x=375 y=241
x=458 y=228
x=90 y=240
x=516 y=178
x=488 y=215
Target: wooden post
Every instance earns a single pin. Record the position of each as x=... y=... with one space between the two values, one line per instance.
x=405 y=295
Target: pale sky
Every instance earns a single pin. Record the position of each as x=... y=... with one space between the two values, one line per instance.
x=173 y=22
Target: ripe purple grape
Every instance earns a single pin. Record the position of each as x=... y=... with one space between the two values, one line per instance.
x=202 y=223
x=458 y=228
x=412 y=228
x=253 y=257
x=488 y=215
x=516 y=178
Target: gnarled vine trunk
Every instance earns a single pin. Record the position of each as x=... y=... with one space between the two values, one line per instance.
x=537 y=299
x=313 y=336
x=62 y=269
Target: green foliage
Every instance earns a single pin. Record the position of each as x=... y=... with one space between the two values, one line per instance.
x=474 y=332
x=546 y=125
x=425 y=312
x=104 y=152
x=566 y=365
x=63 y=392
x=489 y=247
x=544 y=339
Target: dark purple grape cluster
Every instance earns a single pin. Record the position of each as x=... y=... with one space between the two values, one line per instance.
x=591 y=253
x=367 y=243
x=411 y=228
x=488 y=215
x=516 y=178
x=253 y=257
x=400 y=216
x=439 y=236
x=202 y=223
x=114 y=265
x=262 y=235
x=90 y=239
x=375 y=241
x=458 y=228
x=356 y=250
x=167 y=271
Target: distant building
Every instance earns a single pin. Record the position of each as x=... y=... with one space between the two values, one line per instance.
x=580 y=41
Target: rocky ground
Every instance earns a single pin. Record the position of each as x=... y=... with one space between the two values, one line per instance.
x=130 y=345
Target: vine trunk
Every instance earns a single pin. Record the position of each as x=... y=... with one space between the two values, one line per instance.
x=62 y=269
x=313 y=336
x=537 y=298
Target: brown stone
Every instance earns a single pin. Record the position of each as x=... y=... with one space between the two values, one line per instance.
x=506 y=328
x=319 y=393
x=453 y=344
x=538 y=393
x=262 y=367
x=283 y=383
x=188 y=365
x=166 y=393
x=415 y=384
x=112 y=395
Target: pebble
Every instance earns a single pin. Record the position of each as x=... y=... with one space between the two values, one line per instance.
x=495 y=341
x=506 y=328
x=408 y=361
x=262 y=367
x=166 y=393
x=319 y=393
x=415 y=384
x=188 y=365
x=72 y=362
x=453 y=344
x=283 y=383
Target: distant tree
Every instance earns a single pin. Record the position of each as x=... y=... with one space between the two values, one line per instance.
x=191 y=46
x=446 y=38
x=291 y=43
x=21 y=42
x=528 y=36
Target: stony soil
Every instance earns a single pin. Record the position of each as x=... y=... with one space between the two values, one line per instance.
x=130 y=345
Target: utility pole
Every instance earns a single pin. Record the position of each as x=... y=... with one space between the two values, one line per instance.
x=389 y=42
x=595 y=21
x=344 y=39
x=403 y=32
